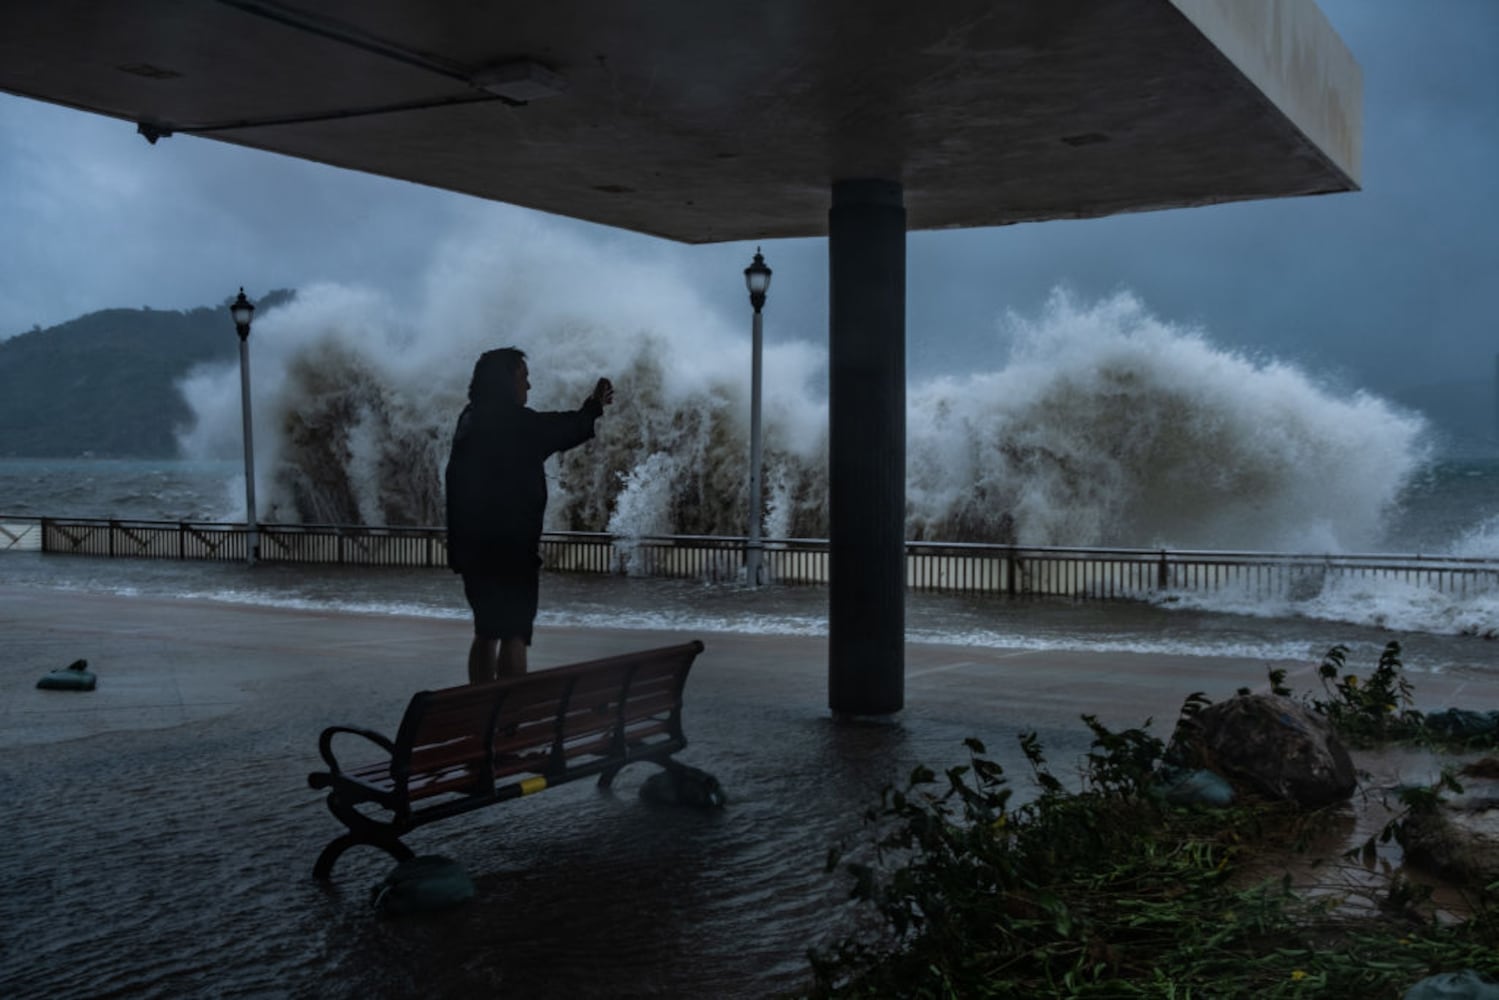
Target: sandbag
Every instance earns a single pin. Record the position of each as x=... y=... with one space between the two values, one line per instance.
x=422 y=885
x=1462 y=723
x=74 y=677
x=1464 y=985
x=1198 y=788
x=685 y=786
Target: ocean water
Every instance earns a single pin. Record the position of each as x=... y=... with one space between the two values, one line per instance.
x=1439 y=632
x=168 y=852
x=1093 y=422
x=1098 y=424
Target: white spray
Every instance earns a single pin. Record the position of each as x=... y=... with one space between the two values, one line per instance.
x=1106 y=426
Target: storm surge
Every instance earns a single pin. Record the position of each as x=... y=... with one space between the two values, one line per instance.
x=1108 y=426
x=1098 y=423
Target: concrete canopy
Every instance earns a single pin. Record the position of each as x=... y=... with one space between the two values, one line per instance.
x=706 y=122
x=702 y=122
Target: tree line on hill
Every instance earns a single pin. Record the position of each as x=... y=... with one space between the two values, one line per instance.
x=104 y=384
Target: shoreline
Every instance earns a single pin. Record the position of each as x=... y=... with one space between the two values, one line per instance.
x=134 y=630
x=983 y=623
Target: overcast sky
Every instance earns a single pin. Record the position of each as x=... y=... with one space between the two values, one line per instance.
x=1390 y=286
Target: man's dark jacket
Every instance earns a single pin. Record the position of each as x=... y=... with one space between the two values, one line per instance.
x=496 y=482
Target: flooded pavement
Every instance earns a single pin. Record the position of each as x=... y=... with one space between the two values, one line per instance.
x=161 y=833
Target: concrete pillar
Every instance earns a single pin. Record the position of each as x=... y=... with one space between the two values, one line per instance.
x=867 y=448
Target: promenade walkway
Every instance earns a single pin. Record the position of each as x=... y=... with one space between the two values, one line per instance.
x=160 y=832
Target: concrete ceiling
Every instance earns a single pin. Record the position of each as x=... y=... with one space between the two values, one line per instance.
x=704 y=121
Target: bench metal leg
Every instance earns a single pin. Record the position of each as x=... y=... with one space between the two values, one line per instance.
x=678 y=771
x=362 y=830
x=323 y=869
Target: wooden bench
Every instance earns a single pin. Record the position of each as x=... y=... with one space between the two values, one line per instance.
x=464 y=748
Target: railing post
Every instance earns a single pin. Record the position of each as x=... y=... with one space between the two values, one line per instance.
x=1163 y=573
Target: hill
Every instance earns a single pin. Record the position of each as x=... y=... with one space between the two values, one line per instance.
x=104 y=383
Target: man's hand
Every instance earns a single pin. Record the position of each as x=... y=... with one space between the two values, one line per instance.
x=603 y=392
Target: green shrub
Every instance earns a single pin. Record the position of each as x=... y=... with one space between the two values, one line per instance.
x=1106 y=891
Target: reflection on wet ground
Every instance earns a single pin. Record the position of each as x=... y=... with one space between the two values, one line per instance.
x=990 y=621
x=153 y=859
x=160 y=841
x=1322 y=853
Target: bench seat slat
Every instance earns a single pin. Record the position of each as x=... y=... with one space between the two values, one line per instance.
x=472 y=745
x=634 y=735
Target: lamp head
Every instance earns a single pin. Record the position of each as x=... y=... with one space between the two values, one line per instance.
x=243 y=311
x=757 y=280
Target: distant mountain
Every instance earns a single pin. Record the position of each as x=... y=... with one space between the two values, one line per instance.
x=104 y=383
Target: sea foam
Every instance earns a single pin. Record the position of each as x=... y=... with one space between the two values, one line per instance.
x=1104 y=425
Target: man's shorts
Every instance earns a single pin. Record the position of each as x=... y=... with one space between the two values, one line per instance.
x=504 y=605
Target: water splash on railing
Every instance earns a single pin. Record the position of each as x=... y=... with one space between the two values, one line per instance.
x=1105 y=425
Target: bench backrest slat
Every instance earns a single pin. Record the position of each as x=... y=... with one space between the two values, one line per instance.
x=592 y=713
x=525 y=723
x=442 y=745
x=654 y=703
x=463 y=738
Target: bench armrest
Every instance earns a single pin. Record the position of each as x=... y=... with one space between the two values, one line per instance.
x=325 y=743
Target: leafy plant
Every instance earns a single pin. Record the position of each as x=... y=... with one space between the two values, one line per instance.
x=1376 y=709
x=1105 y=891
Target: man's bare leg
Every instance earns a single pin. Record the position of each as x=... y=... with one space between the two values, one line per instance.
x=483 y=660
x=512 y=657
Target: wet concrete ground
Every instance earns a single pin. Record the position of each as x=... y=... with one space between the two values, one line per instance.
x=160 y=833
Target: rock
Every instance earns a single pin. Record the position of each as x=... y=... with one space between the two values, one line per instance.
x=74 y=677
x=1464 y=985
x=1197 y=788
x=1459 y=837
x=682 y=785
x=422 y=885
x=1463 y=724
x=1485 y=767
x=1269 y=745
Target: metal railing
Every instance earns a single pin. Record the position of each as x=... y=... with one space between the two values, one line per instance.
x=1095 y=573
x=20 y=534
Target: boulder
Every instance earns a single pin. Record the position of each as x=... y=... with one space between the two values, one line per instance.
x=1459 y=836
x=1269 y=745
x=74 y=677
x=1464 y=724
x=1464 y=985
x=1196 y=788
x=422 y=885
x=680 y=785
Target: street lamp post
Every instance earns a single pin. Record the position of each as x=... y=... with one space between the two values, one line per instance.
x=243 y=312
x=757 y=280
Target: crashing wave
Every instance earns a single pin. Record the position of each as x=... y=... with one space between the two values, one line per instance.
x=1106 y=425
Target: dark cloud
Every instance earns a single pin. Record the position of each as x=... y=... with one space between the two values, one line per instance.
x=1384 y=285
x=1380 y=287
x=96 y=217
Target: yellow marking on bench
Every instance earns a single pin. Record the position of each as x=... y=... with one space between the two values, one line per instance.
x=429 y=771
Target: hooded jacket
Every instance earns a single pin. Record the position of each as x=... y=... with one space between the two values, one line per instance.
x=496 y=482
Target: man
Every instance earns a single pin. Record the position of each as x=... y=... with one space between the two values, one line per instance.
x=496 y=499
